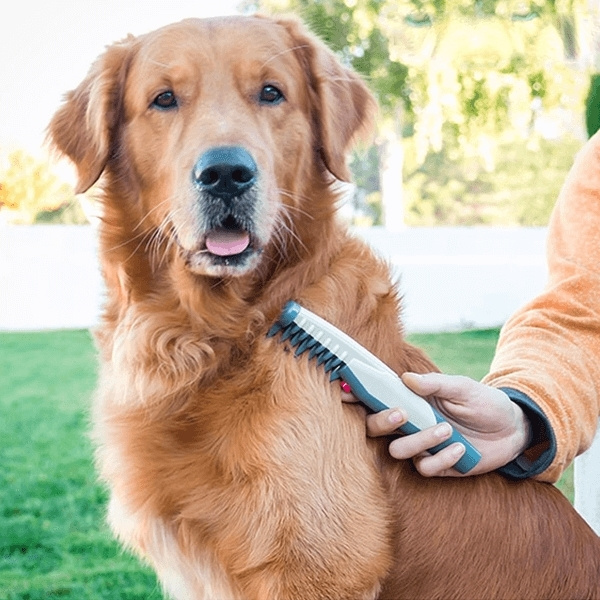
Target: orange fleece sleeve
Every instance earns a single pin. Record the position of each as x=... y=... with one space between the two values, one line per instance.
x=549 y=350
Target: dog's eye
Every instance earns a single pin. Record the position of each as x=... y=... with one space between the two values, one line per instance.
x=271 y=95
x=165 y=100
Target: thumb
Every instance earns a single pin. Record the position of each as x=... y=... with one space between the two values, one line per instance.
x=454 y=388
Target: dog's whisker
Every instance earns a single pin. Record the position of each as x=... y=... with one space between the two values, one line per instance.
x=153 y=239
x=158 y=63
x=142 y=234
x=128 y=241
x=153 y=209
x=299 y=47
x=297 y=209
x=293 y=195
x=285 y=225
x=153 y=247
x=342 y=79
x=168 y=223
x=139 y=245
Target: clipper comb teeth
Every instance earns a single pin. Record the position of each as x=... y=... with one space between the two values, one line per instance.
x=303 y=341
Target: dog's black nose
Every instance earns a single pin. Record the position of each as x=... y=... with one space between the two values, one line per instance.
x=225 y=172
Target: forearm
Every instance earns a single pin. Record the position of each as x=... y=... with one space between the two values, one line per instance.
x=556 y=365
x=549 y=351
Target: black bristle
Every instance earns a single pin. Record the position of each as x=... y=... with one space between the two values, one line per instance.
x=332 y=363
x=316 y=350
x=323 y=358
x=275 y=329
x=303 y=341
x=289 y=331
x=298 y=337
x=309 y=342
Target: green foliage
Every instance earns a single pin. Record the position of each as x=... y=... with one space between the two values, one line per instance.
x=592 y=108
x=351 y=28
x=366 y=202
x=477 y=79
x=456 y=190
x=466 y=81
x=69 y=213
x=28 y=186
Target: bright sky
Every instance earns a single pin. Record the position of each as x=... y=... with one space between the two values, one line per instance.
x=46 y=47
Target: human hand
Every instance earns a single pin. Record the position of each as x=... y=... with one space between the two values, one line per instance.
x=486 y=416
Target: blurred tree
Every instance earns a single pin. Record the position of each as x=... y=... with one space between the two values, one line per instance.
x=464 y=78
x=592 y=109
x=28 y=187
x=489 y=77
x=521 y=190
x=353 y=29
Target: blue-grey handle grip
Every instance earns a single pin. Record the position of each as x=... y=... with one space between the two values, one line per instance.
x=466 y=462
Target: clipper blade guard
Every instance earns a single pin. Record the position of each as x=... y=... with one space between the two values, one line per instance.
x=372 y=382
x=304 y=341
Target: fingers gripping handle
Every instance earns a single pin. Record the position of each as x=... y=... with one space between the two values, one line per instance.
x=392 y=393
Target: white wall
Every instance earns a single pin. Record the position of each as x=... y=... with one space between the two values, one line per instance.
x=49 y=277
x=451 y=278
x=459 y=278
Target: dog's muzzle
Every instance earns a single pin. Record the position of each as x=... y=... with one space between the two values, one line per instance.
x=226 y=179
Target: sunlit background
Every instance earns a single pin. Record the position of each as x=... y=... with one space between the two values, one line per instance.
x=482 y=102
x=46 y=49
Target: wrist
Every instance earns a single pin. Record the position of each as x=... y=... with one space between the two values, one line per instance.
x=541 y=450
x=523 y=436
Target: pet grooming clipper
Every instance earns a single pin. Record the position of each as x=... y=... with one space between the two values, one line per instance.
x=372 y=382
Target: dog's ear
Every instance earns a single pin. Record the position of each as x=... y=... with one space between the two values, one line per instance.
x=343 y=107
x=83 y=126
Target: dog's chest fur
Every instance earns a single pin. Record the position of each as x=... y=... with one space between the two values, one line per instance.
x=259 y=462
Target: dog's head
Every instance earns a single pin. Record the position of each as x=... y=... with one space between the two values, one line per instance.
x=216 y=131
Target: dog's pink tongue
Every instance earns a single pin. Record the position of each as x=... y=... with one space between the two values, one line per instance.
x=224 y=242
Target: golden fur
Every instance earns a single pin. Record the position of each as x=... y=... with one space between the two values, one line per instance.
x=234 y=469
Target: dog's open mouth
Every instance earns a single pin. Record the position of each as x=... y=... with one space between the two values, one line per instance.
x=227 y=242
x=229 y=247
x=224 y=251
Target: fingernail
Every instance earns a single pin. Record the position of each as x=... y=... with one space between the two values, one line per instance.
x=458 y=450
x=345 y=387
x=443 y=431
x=396 y=417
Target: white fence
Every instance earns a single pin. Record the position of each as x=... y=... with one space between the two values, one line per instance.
x=49 y=277
x=462 y=278
x=451 y=278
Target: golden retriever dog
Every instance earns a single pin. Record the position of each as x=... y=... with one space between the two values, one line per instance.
x=233 y=467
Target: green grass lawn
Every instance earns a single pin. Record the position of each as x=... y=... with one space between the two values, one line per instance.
x=53 y=540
